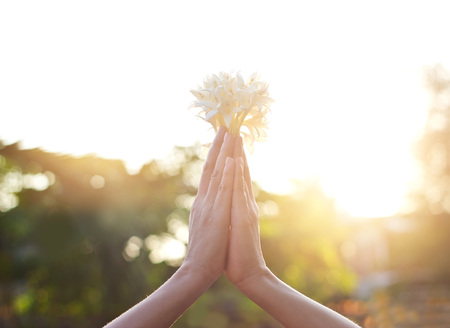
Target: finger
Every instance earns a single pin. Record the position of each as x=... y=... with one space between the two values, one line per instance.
x=250 y=199
x=238 y=148
x=247 y=176
x=225 y=151
x=249 y=187
x=239 y=200
x=251 y=202
x=239 y=153
x=222 y=203
x=210 y=162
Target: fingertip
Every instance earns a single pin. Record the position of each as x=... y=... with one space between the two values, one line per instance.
x=229 y=162
x=238 y=148
x=220 y=134
x=221 y=131
x=228 y=145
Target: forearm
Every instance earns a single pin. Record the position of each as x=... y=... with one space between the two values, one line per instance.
x=288 y=306
x=165 y=305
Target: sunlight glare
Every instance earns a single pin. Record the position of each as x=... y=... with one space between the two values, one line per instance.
x=165 y=248
x=360 y=149
x=132 y=248
x=97 y=181
x=345 y=97
x=39 y=181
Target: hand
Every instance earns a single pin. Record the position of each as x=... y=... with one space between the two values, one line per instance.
x=210 y=213
x=245 y=258
x=224 y=217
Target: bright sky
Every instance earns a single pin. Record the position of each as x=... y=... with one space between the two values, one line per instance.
x=113 y=78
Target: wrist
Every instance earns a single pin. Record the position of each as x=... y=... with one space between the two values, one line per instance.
x=253 y=280
x=198 y=273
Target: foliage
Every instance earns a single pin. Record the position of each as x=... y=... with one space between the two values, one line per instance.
x=433 y=149
x=81 y=240
x=422 y=248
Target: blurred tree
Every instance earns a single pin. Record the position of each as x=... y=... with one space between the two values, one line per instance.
x=433 y=149
x=432 y=196
x=63 y=252
x=81 y=240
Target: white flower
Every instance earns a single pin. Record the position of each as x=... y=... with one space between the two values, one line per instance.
x=226 y=100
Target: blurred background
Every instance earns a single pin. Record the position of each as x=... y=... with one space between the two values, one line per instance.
x=100 y=156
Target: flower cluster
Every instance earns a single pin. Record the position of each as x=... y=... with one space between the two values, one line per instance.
x=227 y=100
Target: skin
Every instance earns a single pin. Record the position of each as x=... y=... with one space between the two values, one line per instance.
x=224 y=237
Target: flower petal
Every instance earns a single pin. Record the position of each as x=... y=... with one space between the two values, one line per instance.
x=228 y=118
x=211 y=114
x=227 y=100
